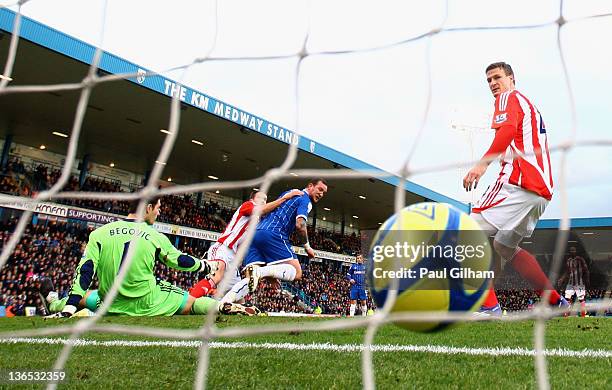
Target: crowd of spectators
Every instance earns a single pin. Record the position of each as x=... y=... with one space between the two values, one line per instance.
x=178 y=210
x=517 y=299
x=335 y=242
x=181 y=210
x=596 y=294
x=271 y=297
x=327 y=285
x=53 y=248
x=526 y=299
x=9 y=185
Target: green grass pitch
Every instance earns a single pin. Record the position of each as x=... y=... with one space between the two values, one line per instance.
x=122 y=367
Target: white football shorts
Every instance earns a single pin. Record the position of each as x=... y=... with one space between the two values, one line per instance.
x=221 y=252
x=570 y=290
x=509 y=212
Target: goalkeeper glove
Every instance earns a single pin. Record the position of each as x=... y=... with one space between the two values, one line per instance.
x=208 y=267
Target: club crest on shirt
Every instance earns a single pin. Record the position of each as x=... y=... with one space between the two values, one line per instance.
x=501 y=118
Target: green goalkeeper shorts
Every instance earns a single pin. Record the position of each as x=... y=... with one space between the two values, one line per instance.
x=165 y=300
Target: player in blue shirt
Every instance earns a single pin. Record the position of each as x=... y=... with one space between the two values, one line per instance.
x=270 y=254
x=357 y=275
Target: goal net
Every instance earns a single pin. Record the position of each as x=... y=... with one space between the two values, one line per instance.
x=392 y=80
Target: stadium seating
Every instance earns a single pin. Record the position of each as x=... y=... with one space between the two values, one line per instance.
x=178 y=210
x=53 y=249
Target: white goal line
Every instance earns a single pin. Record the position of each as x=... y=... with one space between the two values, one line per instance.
x=436 y=349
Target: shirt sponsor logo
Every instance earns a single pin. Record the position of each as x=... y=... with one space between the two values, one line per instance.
x=501 y=118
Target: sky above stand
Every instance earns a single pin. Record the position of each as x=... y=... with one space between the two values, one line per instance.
x=369 y=103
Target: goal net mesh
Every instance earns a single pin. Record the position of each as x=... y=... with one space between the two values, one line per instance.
x=321 y=43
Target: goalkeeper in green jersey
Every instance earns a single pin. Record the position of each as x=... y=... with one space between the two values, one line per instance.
x=139 y=293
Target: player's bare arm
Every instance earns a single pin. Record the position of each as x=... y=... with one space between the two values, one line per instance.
x=268 y=207
x=503 y=138
x=302 y=232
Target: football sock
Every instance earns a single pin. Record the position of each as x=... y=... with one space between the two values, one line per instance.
x=352 y=310
x=364 y=310
x=583 y=308
x=238 y=292
x=201 y=288
x=527 y=266
x=491 y=299
x=284 y=272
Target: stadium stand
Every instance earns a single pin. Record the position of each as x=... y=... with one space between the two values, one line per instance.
x=178 y=210
x=52 y=248
x=273 y=299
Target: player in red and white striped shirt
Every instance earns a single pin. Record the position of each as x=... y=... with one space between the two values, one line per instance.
x=577 y=278
x=224 y=250
x=511 y=207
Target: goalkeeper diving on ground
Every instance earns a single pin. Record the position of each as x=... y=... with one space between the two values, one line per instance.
x=140 y=294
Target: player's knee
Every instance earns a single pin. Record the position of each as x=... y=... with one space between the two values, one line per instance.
x=218 y=276
x=187 y=308
x=220 y=265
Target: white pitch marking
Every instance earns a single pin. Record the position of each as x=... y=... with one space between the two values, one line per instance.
x=436 y=349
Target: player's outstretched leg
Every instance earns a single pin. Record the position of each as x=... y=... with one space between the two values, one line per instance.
x=569 y=297
x=53 y=304
x=529 y=268
x=285 y=270
x=237 y=292
x=87 y=305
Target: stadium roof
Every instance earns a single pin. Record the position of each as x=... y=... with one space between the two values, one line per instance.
x=124 y=119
